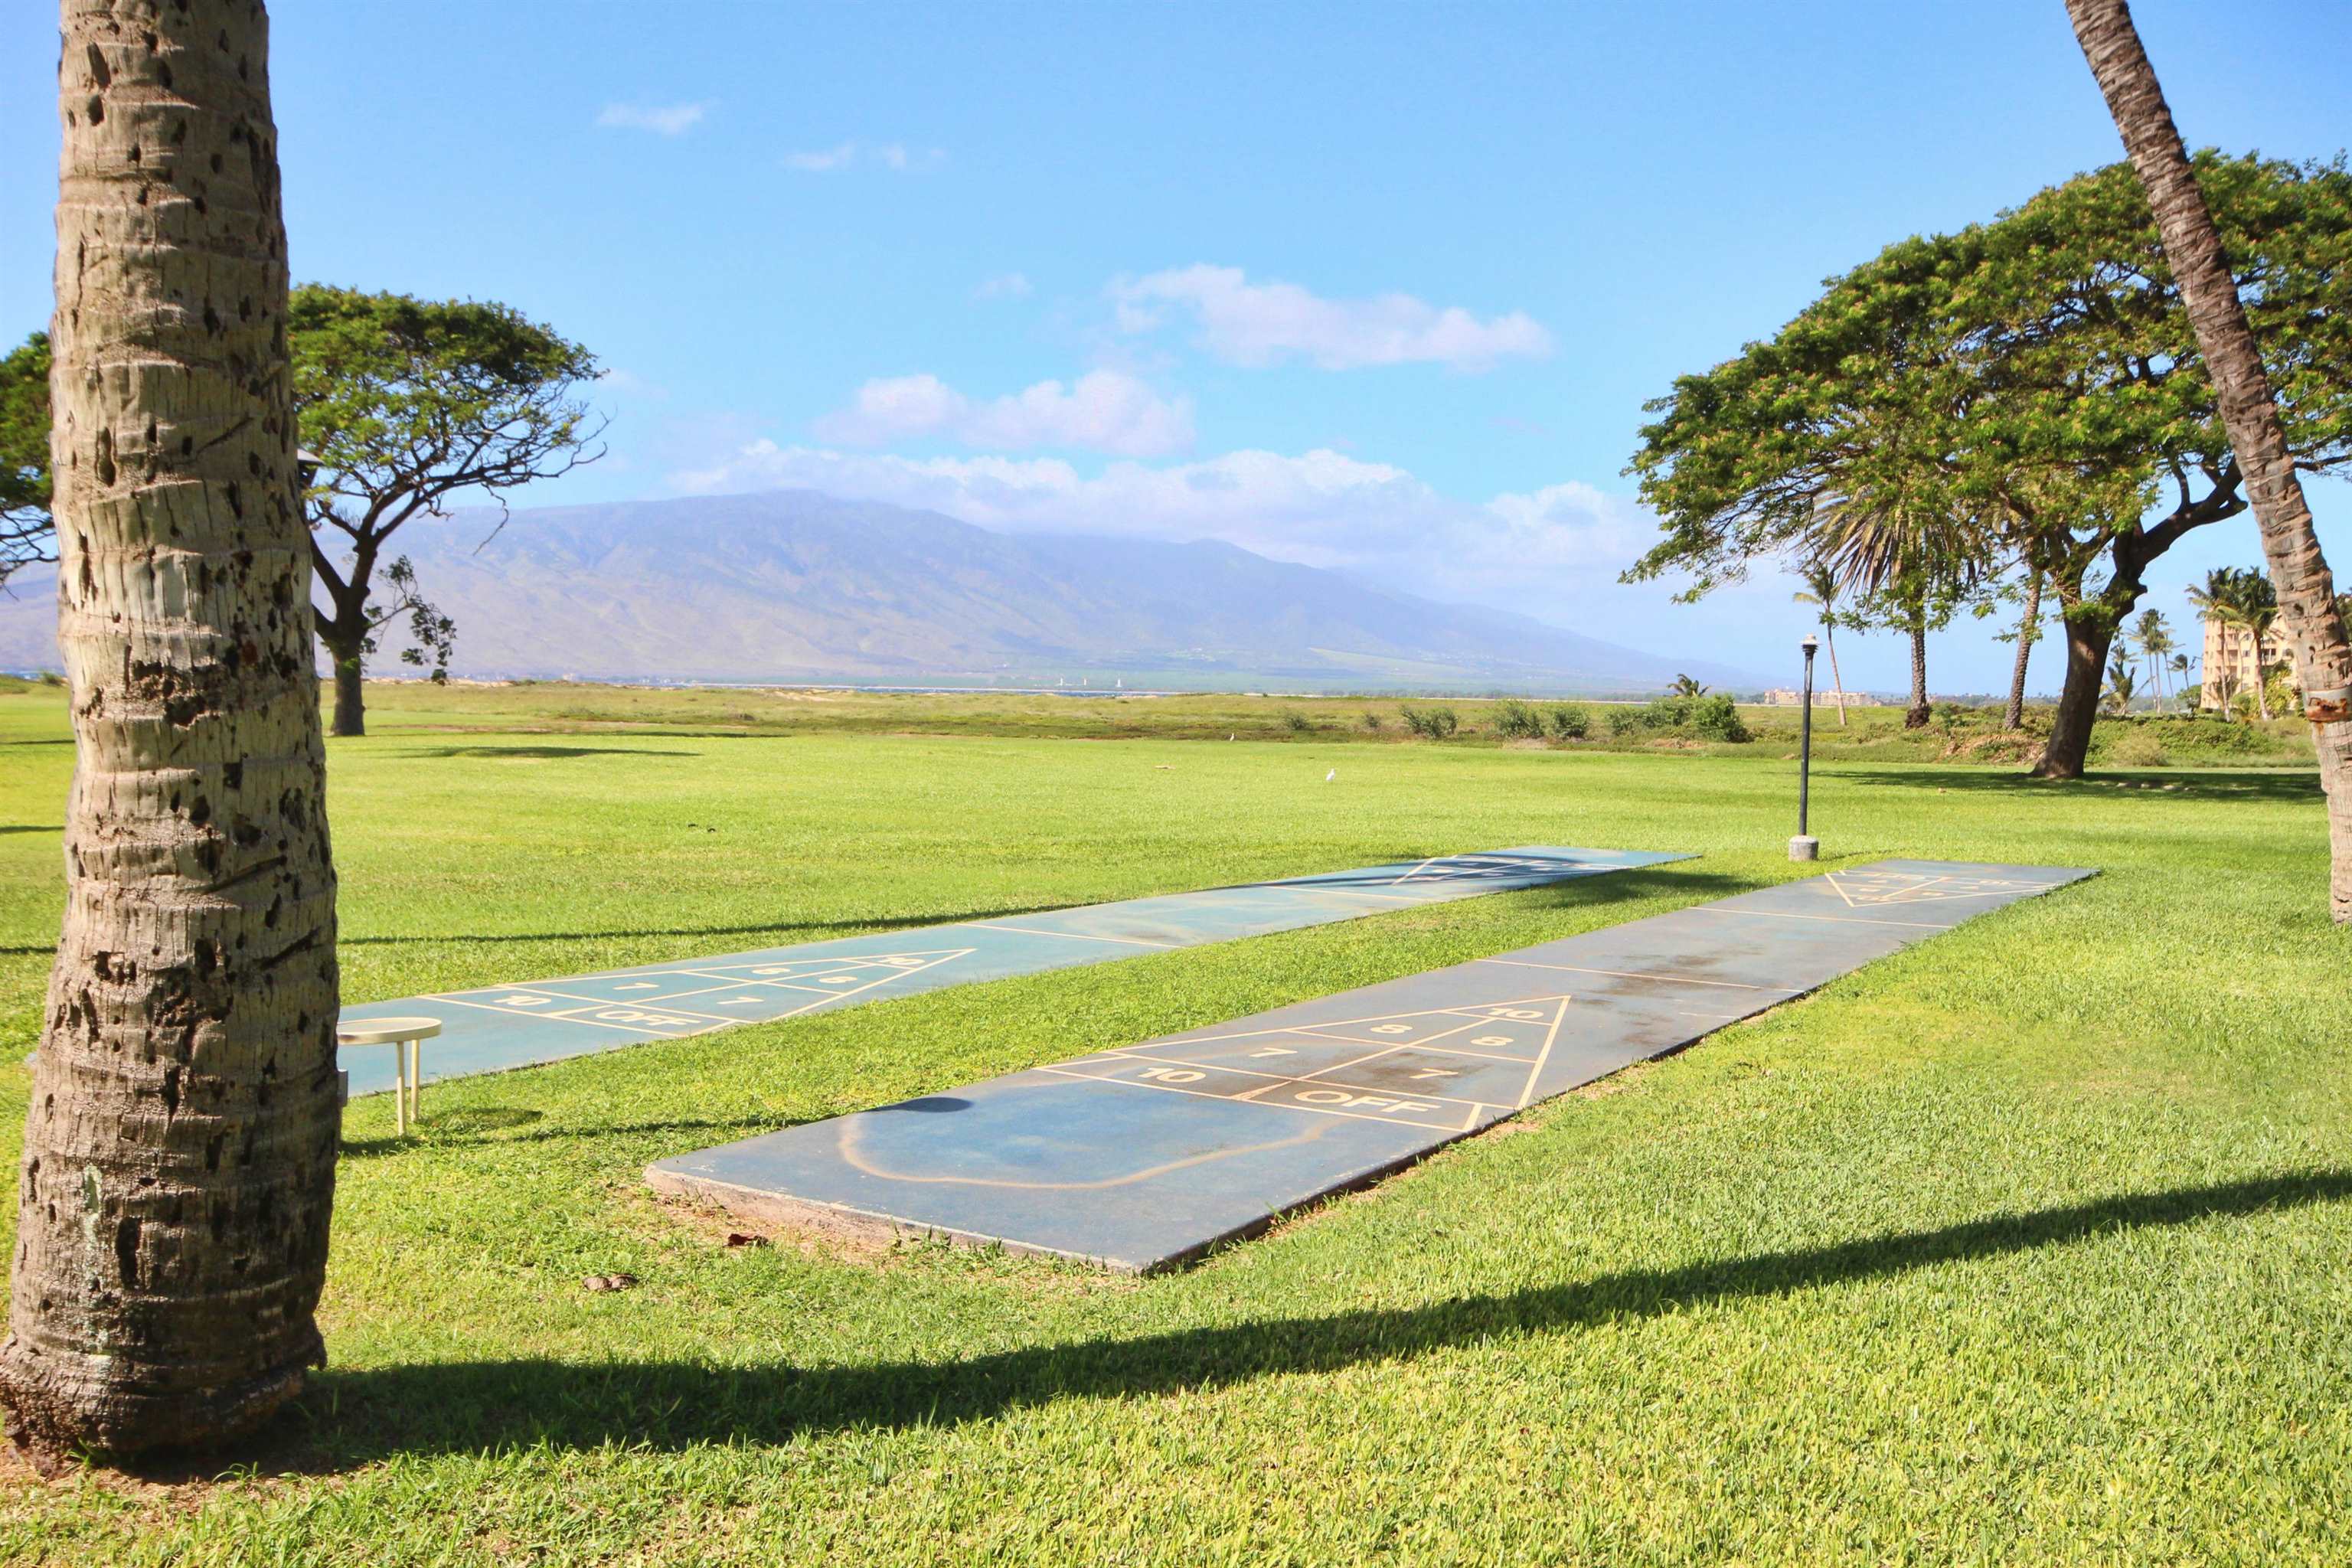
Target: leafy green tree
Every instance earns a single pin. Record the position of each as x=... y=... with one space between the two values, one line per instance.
x=1684 y=686
x=2036 y=380
x=26 y=535
x=407 y=402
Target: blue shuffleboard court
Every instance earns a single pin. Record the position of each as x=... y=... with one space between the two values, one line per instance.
x=536 y=1021
x=1141 y=1157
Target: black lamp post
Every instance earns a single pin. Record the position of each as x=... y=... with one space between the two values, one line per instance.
x=1804 y=846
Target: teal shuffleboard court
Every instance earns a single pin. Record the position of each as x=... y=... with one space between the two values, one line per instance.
x=1139 y=1157
x=536 y=1021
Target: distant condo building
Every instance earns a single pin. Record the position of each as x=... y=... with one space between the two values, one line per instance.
x=1782 y=697
x=2230 y=661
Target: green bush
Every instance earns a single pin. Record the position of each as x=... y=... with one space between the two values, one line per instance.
x=1717 y=718
x=1431 y=724
x=1295 y=722
x=1624 y=721
x=1515 y=720
x=1569 y=720
x=1374 y=722
x=2139 y=750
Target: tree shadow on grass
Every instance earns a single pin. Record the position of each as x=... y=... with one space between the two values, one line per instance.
x=2149 y=783
x=348 y=1419
x=496 y=1125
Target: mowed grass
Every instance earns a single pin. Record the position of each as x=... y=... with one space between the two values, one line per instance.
x=2028 y=1245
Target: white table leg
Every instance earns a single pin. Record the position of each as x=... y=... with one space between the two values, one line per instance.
x=400 y=1088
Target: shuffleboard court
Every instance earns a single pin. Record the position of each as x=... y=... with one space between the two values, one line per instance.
x=531 y=1022
x=1141 y=1157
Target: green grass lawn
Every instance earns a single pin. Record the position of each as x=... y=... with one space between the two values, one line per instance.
x=2027 y=1245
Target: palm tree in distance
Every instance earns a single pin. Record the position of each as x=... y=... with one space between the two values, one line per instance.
x=1821 y=591
x=2256 y=615
x=2029 y=631
x=1911 y=552
x=2219 y=599
x=2155 y=641
x=2123 y=685
x=2180 y=667
x=1684 y=686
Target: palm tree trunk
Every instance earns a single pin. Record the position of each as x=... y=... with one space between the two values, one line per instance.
x=1918 y=716
x=2306 y=593
x=1829 y=635
x=180 y=1151
x=2029 y=628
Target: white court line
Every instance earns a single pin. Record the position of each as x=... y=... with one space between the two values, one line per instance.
x=930 y=955
x=649 y=1003
x=1560 y=1016
x=1323 y=1032
x=1834 y=920
x=1263 y=1105
x=1130 y=1054
x=567 y=1018
x=1635 y=974
x=1072 y=935
x=1460 y=1010
x=723 y=985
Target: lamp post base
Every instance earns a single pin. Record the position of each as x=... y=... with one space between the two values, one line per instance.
x=1804 y=846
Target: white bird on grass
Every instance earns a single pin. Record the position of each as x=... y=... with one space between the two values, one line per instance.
x=1331 y=775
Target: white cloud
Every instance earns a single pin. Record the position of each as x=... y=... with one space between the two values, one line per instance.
x=1251 y=323
x=1102 y=411
x=1005 y=286
x=670 y=120
x=1552 y=553
x=895 y=156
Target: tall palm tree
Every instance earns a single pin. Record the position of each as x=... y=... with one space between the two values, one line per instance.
x=2180 y=665
x=180 y=1153
x=2257 y=617
x=2123 y=685
x=2192 y=248
x=2154 y=638
x=1821 y=591
x=1907 y=555
x=2029 y=631
x=2219 y=599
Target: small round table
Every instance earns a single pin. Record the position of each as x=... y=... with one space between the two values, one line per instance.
x=406 y=1038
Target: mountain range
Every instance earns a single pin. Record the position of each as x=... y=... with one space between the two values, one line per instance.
x=791 y=586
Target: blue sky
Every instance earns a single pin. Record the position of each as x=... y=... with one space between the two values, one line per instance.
x=1380 y=286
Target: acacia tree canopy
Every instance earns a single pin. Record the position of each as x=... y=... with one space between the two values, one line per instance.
x=404 y=403
x=2036 y=380
x=26 y=535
